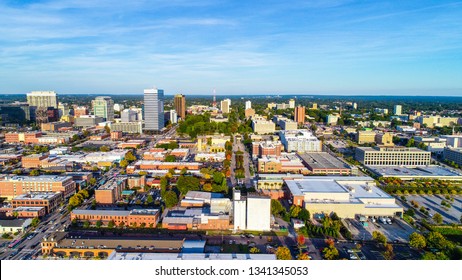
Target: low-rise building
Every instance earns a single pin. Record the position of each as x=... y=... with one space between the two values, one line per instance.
x=111 y=191
x=133 y=218
x=12 y=186
x=195 y=219
x=151 y=165
x=384 y=139
x=346 y=196
x=262 y=126
x=55 y=126
x=363 y=137
x=453 y=155
x=128 y=127
x=33 y=161
x=392 y=156
x=324 y=163
x=300 y=141
x=29 y=212
x=266 y=148
x=85 y=121
x=49 y=200
x=210 y=157
x=286 y=163
x=16 y=225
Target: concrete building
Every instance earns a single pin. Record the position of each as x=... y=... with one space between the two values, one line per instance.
x=80 y=111
x=103 y=106
x=195 y=219
x=381 y=111
x=363 y=137
x=292 y=104
x=127 y=127
x=63 y=109
x=12 y=186
x=180 y=106
x=248 y=104
x=225 y=106
x=285 y=123
x=118 y=107
x=300 y=141
x=286 y=163
x=135 y=218
x=332 y=119
x=42 y=99
x=129 y=115
x=153 y=109
x=398 y=110
x=48 y=200
x=437 y=121
x=346 y=196
x=453 y=155
x=258 y=213
x=299 y=114
x=85 y=121
x=261 y=126
x=55 y=126
x=249 y=113
x=385 y=139
x=416 y=172
x=324 y=163
x=432 y=144
x=173 y=116
x=239 y=211
x=383 y=156
x=453 y=141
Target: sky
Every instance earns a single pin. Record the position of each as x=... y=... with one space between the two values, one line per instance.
x=237 y=47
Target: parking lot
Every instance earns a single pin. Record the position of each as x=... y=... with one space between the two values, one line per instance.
x=398 y=231
x=433 y=205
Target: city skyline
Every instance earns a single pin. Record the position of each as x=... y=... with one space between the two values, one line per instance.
x=314 y=47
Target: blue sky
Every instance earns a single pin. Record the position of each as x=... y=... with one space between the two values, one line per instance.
x=237 y=47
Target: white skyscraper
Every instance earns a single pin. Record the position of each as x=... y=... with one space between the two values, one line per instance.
x=42 y=99
x=291 y=103
x=225 y=104
x=153 y=109
x=398 y=110
x=173 y=116
x=248 y=104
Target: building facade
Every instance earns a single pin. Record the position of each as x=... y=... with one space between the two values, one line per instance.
x=180 y=105
x=103 y=106
x=42 y=99
x=153 y=109
x=392 y=156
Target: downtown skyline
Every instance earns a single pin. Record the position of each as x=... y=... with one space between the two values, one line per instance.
x=265 y=47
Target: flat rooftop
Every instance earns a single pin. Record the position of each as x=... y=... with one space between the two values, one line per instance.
x=189 y=256
x=323 y=160
x=173 y=245
x=37 y=195
x=27 y=209
x=121 y=213
x=419 y=171
x=41 y=178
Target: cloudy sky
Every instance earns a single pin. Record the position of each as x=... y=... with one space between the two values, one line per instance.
x=237 y=47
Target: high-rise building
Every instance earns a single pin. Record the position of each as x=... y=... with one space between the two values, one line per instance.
x=118 y=107
x=355 y=106
x=80 y=111
x=103 y=106
x=225 y=104
x=154 y=109
x=42 y=99
x=291 y=103
x=63 y=109
x=129 y=115
x=173 y=116
x=248 y=104
x=299 y=114
x=180 y=105
x=398 y=110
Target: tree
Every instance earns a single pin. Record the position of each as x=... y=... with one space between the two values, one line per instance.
x=330 y=252
x=276 y=207
x=417 y=241
x=437 y=241
x=149 y=199
x=379 y=237
x=107 y=129
x=170 y=199
x=304 y=215
x=86 y=224
x=92 y=182
x=104 y=149
x=34 y=172
x=283 y=253
x=388 y=255
x=254 y=250
x=35 y=221
x=124 y=163
x=437 y=218
x=99 y=223
x=302 y=257
x=170 y=158
x=300 y=240
x=294 y=211
x=111 y=224
x=207 y=187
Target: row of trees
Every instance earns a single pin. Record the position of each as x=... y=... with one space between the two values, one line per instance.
x=436 y=245
x=77 y=199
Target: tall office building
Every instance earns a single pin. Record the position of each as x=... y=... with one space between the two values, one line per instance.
x=42 y=99
x=103 y=106
x=225 y=104
x=129 y=115
x=63 y=109
x=398 y=110
x=299 y=114
x=173 y=116
x=153 y=109
x=248 y=104
x=291 y=103
x=180 y=105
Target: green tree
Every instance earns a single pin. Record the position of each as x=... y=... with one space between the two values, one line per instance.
x=124 y=163
x=330 y=252
x=107 y=129
x=111 y=224
x=35 y=221
x=254 y=250
x=389 y=254
x=379 y=237
x=437 y=241
x=170 y=158
x=294 y=211
x=104 y=149
x=99 y=223
x=170 y=199
x=92 y=181
x=34 y=172
x=435 y=256
x=437 y=218
x=187 y=183
x=283 y=253
x=86 y=224
x=304 y=215
x=417 y=241
x=276 y=207
x=149 y=199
